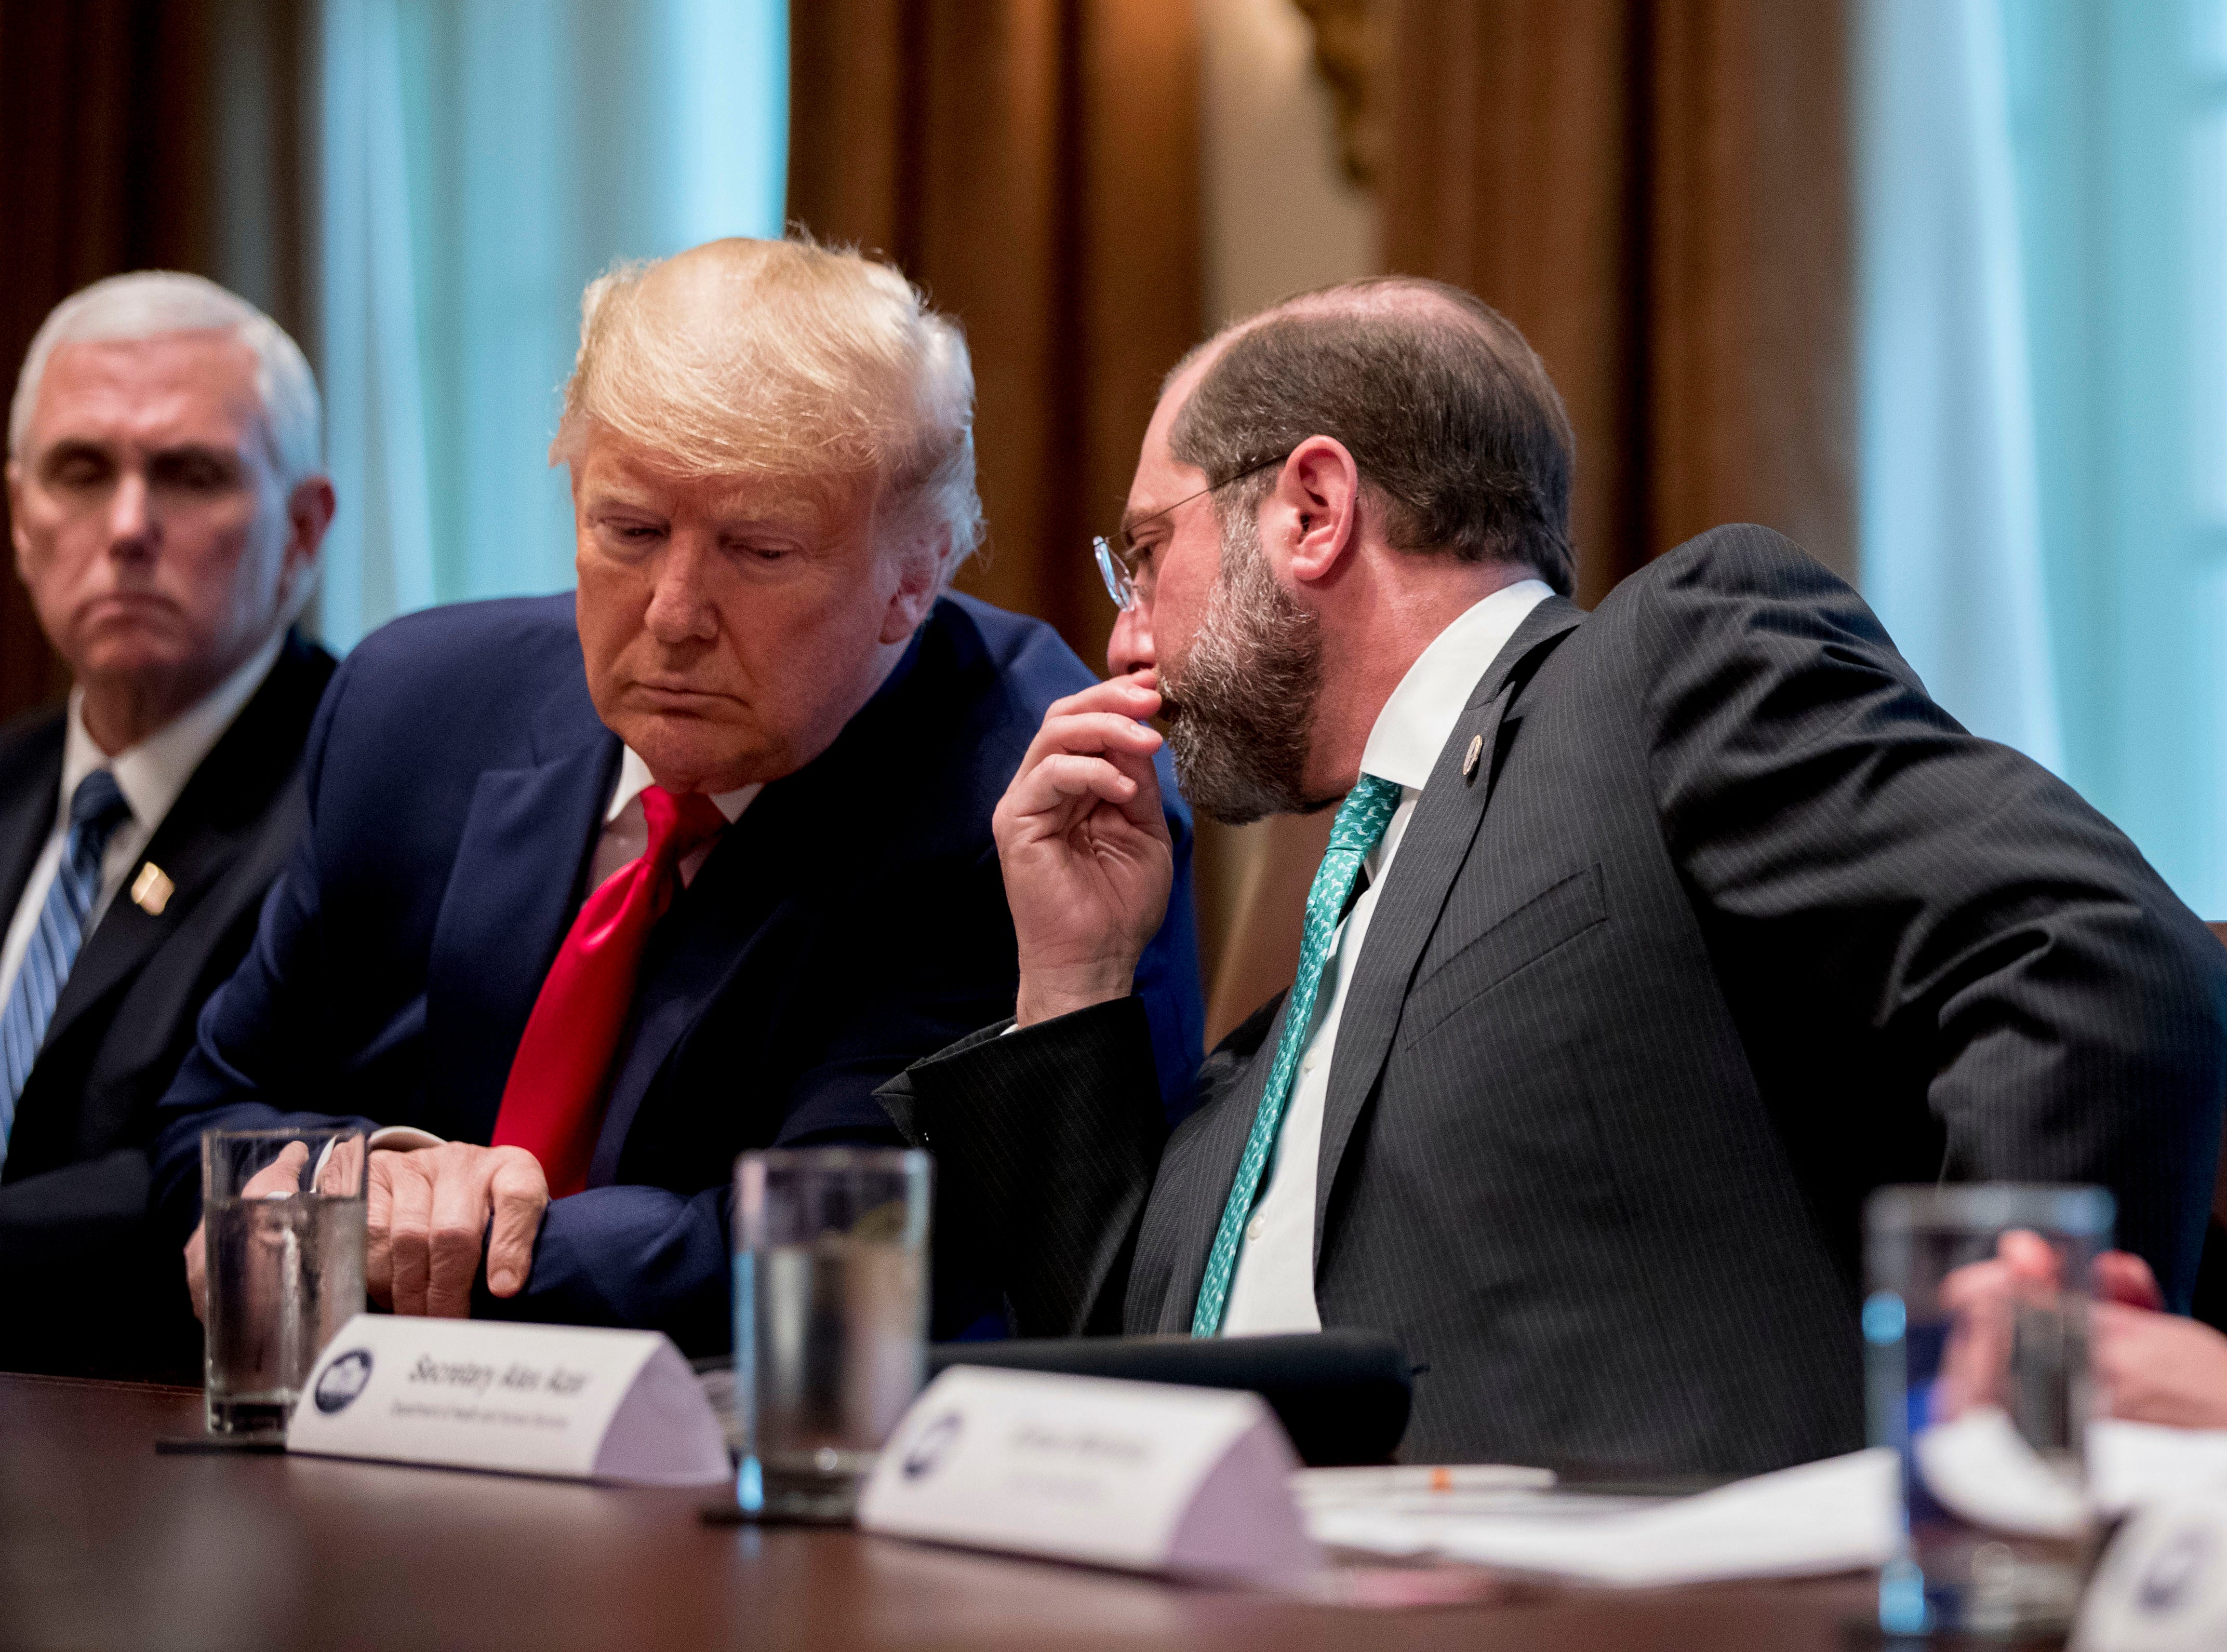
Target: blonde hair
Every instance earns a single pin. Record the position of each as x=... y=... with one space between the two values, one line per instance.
x=787 y=361
x=147 y=303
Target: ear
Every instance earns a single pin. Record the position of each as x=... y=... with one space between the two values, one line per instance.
x=16 y=520
x=309 y=510
x=919 y=561
x=1314 y=514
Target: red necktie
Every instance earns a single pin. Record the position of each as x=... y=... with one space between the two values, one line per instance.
x=552 y=1105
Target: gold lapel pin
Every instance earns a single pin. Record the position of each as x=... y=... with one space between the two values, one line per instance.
x=151 y=890
x=1469 y=758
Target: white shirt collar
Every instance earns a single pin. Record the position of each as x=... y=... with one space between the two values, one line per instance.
x=635 y=777
x=1418 y=720
x=151 y=774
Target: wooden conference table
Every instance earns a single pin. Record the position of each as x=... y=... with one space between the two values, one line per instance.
x=106 y=1544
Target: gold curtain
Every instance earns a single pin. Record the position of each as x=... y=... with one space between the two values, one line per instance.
x=1034 y=167
x=1657 y=192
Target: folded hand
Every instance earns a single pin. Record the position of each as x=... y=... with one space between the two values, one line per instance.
x=428 y=1211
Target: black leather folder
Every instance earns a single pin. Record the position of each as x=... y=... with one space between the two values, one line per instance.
x=1342 y=1395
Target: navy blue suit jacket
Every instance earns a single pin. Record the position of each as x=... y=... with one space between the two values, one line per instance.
x=851 y=920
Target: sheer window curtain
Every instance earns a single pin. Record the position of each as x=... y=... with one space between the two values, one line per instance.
x=481 y=160
x=1951 y=527
x=2044 y=388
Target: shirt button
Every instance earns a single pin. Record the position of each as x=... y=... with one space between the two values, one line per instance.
x=1253 y=1231
x=1312 y=1062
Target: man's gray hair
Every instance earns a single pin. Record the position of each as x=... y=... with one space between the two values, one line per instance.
x=147 y=304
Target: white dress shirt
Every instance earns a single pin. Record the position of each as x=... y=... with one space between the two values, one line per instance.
x=150 y=775
x=1273 y=1288
x=626 y=830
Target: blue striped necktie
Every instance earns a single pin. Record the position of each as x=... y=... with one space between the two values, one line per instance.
x=1367 y=809
x=96 y=810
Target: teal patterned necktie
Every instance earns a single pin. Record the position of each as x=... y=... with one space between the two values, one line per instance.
x=1359 y=824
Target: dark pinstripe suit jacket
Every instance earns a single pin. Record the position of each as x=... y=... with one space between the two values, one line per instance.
x=1735 y=925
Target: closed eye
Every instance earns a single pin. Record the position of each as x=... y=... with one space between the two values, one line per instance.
x=76 y=465
x=194 y=470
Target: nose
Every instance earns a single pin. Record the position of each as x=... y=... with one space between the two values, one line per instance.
x=131 y=517
x=681 y=609
x=1130 y=648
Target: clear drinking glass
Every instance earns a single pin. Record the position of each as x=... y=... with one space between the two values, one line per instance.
x=283 y=1224
x=831 y=1318
x=1976 y=1372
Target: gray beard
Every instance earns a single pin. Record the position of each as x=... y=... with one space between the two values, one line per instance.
x=1240 y=716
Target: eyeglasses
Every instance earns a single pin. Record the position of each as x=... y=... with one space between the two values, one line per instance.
x=1118 y=568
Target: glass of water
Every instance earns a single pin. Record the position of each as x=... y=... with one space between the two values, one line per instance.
x=831 y=1319
x=1975 y=1333
x=283 y=1227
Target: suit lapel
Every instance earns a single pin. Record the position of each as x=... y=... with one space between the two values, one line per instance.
x=1437 y=842
x=192 y=858
x=28 y=811
x=513 y=888
x=199 y=837
x=697 y=951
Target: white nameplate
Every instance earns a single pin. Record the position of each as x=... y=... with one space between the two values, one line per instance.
x=1143 y=1476
x=568 y=1401
x=2162 y=1586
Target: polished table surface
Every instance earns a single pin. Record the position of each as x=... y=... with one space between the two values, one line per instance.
x=106 y=1544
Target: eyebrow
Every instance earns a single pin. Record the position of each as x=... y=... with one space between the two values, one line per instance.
x=71 y=447
x=223 y=455
x=1131 y=521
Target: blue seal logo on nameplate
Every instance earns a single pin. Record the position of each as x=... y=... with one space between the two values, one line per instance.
x=342 y=1381
x=926 y=1454
x=2173 y=1570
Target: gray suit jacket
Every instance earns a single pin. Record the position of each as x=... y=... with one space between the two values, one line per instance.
x=1735 y=925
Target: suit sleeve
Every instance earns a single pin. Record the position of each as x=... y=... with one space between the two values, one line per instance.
x=1874 y=879
x=253 y=1044
x=1046 y=1142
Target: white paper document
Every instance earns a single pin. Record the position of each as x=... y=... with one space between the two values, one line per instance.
x=568 y=1401
x=2131 y=1465
x=1837 y=1515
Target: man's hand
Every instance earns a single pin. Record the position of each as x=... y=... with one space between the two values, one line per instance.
x=1981 y=1299
x=282 y=1175
x=2159 y=1368
x=427 y=1211
x=1982 y=1296
x=1085 y=849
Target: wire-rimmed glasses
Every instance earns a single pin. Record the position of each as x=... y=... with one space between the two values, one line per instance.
x=1118 y=568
